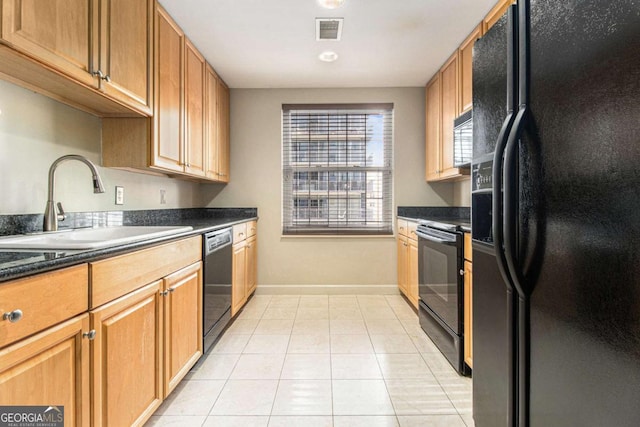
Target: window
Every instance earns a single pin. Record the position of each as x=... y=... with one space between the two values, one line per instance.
x=337 y=173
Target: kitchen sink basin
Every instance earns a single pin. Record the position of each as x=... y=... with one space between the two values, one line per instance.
x=89 y=238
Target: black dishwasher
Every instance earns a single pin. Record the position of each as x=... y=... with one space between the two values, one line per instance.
x=216 y=294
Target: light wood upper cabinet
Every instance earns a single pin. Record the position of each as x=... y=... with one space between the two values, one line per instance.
x=78 y=51
x=495 y=14
x=182 y=324
x=126 y=51
x=168 y=151
x=449 y=81
x=466 y=70
x=432 y=131
x=56 y=32
x=223 y=131
x=211 y=123
x=51 y=367
x=441 y=109
x=217 y=122
x=188 y=135
x=127 y=358
x=194 y=97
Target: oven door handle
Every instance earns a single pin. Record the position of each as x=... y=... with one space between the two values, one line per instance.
x=435 y=239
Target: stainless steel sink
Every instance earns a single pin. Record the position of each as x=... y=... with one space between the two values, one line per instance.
x=89 y=238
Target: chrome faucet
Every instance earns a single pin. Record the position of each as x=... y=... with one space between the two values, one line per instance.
x=51 y=217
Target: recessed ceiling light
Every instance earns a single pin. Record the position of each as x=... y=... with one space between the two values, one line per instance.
x=331 y=4
x=328 y=56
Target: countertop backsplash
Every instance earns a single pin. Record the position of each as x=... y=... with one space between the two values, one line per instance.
x=32 y=223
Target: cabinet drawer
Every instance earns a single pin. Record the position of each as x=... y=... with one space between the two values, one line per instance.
x=402 y=227
x=252 y=228
x=239 y=232
x=113 y=277
x=44 y=300
x=412 y=227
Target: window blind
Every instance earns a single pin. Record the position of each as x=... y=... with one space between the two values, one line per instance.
x=337 y=169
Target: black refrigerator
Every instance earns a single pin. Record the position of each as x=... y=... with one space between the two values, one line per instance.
x=556 y=216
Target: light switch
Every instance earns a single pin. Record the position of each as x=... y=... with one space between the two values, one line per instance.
x=119 y=195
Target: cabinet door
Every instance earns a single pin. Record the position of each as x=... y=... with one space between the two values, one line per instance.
x=402 y=263
x=449 y=82
x=194 y=96
x=468 y=313
x=127 y=358
x=50 y=369
x=466 y=70
x=223 y=131
x=126 y=31
x=252 y=265
x=182 y=324
x=168 y=151
x=412 y=272
x=433 y=128
x=57 y=32
x=211 y=122
x=239 y=277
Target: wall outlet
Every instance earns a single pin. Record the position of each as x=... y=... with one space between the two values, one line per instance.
x=119 y=195
x=163 y=200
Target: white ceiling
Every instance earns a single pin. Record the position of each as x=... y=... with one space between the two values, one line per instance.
x=271 y=43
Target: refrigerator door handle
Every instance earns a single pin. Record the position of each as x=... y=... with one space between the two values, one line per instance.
x=510 y=214
x=510 y=207
x=497 y=200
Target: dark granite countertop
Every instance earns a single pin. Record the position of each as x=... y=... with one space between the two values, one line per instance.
x=21 y=263
x=449 y=215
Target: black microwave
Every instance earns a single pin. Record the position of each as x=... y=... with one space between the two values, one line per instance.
x=463 y=140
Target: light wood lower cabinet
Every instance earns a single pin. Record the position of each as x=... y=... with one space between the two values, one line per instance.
x=468 y=313
x=50 y=368
x=403 y=265
x=239 y=277
x=244 y=271
x=182 y=324
x=252 y=265
x=412 y=276
x=407 y=246
x=127 y=358
x=148 y=339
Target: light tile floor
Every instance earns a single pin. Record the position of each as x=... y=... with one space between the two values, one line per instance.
x=321 y=361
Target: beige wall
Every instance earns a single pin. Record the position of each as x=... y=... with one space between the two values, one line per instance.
x=35 y=130
x=256 y=181
x=462 y=193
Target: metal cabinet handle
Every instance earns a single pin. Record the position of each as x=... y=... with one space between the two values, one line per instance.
x=404 y=244
x=89 y=335
x=171 y=290
x=13 y=316
x=461 y=272
x=164 y=293
x=99 y=74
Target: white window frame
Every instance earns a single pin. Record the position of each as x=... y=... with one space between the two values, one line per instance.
x=366 y=210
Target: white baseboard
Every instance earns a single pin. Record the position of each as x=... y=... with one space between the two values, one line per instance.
x=327 y=290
